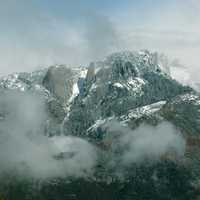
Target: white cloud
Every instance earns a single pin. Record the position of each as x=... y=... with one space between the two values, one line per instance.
x=25 y=149
x=146 y=143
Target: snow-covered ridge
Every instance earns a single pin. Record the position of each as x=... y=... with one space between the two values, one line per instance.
x=145 y=110
x=189 y=97
x=12 y=82
x=143 y=60
x=132 y=114
x=133 y=85
x=99 y=123
x=23 y=81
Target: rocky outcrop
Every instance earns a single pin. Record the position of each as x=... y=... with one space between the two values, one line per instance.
x=59 y=82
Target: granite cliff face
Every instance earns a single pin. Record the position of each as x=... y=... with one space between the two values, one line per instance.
x=130 y=89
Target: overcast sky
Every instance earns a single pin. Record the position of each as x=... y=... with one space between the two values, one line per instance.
x=39 y=33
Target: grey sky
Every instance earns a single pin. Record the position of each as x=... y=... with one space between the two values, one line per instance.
x=36 y=34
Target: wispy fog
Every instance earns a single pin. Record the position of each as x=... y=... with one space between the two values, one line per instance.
x=144 y=143
x=25 y=149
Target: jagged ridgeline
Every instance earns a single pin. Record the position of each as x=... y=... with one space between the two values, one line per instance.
x=142 y=125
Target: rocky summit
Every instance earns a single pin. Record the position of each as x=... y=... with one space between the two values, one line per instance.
x=117 y=106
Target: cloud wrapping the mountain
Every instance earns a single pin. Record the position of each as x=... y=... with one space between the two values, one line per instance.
x=144 y=143
x=24 y=148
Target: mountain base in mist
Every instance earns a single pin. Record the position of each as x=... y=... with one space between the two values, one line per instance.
x=164 y=180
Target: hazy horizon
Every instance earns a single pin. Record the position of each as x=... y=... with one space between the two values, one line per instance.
x=37 y=34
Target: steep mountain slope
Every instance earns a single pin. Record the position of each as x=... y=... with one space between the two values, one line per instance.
x=117 y=95
x=122 y=82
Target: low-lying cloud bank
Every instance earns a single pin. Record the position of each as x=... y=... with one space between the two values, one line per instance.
x=144 y=143
x=25 y=150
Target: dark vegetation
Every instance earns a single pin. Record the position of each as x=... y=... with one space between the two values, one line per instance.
x=162 y=181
